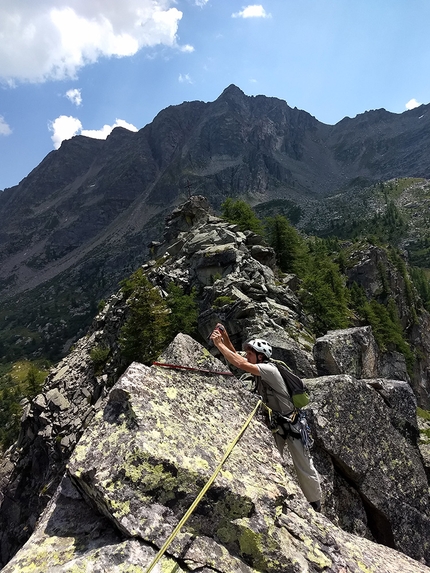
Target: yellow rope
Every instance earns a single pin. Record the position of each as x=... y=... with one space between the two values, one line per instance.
x=203 y=491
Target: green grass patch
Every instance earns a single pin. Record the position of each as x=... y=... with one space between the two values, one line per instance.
x=425 y=414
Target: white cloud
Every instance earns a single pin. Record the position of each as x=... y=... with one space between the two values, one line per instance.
x=185 y=78
x=106 y=129
x=66 y=126
x=4 y=128
x=412 y=103
x=252 y=11
x=53 y=39
x=74 y=96
x=187 y=48
x=201 y=2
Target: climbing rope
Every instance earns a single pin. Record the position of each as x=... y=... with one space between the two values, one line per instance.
x=178 y=367
x=203 y=491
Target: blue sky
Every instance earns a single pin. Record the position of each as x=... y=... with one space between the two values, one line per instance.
x=83 y=66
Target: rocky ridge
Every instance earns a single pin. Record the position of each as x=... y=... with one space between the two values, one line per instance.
x=78 y=223
x=159 y=434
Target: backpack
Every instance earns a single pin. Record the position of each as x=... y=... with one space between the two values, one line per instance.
x=296 y=389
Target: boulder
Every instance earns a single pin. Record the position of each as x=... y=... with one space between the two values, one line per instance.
x=402 y=406
x=351 y=351
x=361 y=439
x=289 y=351
x=393 y=365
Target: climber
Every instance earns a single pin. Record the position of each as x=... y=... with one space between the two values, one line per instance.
x=270 y=385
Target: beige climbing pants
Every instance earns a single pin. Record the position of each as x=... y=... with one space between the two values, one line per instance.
x=304 y=466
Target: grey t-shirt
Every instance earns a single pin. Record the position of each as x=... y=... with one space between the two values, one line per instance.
x=272 y=388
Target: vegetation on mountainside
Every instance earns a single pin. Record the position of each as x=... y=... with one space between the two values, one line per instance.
x=326 y=298
x=394 y=212
x=388 y=226
x=385 y=323
x=422 y=284
x=284 y=207
x=290 y=248
x=99 y=355
x=424 y=431
x=23 y=380
x=241 y=214
x=323 y=293
x=153 y=321
x=44 y=321
x=51 y=315
x=184 y=311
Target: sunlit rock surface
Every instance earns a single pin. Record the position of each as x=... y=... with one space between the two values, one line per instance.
x=153 y=445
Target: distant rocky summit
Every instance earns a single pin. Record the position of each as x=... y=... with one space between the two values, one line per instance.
x=108 y=461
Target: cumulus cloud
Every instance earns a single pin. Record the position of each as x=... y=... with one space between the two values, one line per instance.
x=66 y=126
x=53 y=39
x=4 y=128
x=412 y=103
x=106 y=129
x=252 y=11
x=74 y=96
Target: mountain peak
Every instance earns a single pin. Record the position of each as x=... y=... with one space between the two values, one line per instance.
x=231 y=92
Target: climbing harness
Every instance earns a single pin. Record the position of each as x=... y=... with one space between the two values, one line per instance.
x=177 y=367
x=305 y=431
x=295 y=425
x=203 y=491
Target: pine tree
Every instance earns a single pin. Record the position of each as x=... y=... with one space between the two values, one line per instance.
x=34 y=380
x=146 y=330
x=324 y=294
x=241 y=214
x=184 y=311
x=291 y=253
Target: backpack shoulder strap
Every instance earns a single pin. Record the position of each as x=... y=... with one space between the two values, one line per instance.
x=285 y=394
x=295 y=386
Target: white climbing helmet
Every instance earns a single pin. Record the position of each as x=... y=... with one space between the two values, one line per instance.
x=260 y=346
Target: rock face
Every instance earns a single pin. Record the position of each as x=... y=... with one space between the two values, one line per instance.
x=237 y=289
x=348 y=356
x=154 y=443
x=235 y=273
x=352 y=351
x=369 y=446
x=140 y=447
x=381 y=280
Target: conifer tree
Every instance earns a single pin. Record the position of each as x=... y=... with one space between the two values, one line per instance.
x=153 y=321
x=184 y=311
x=323 y=293
x=146 y=330
x=422 y=284
x=291 y=253
x=240 y=213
